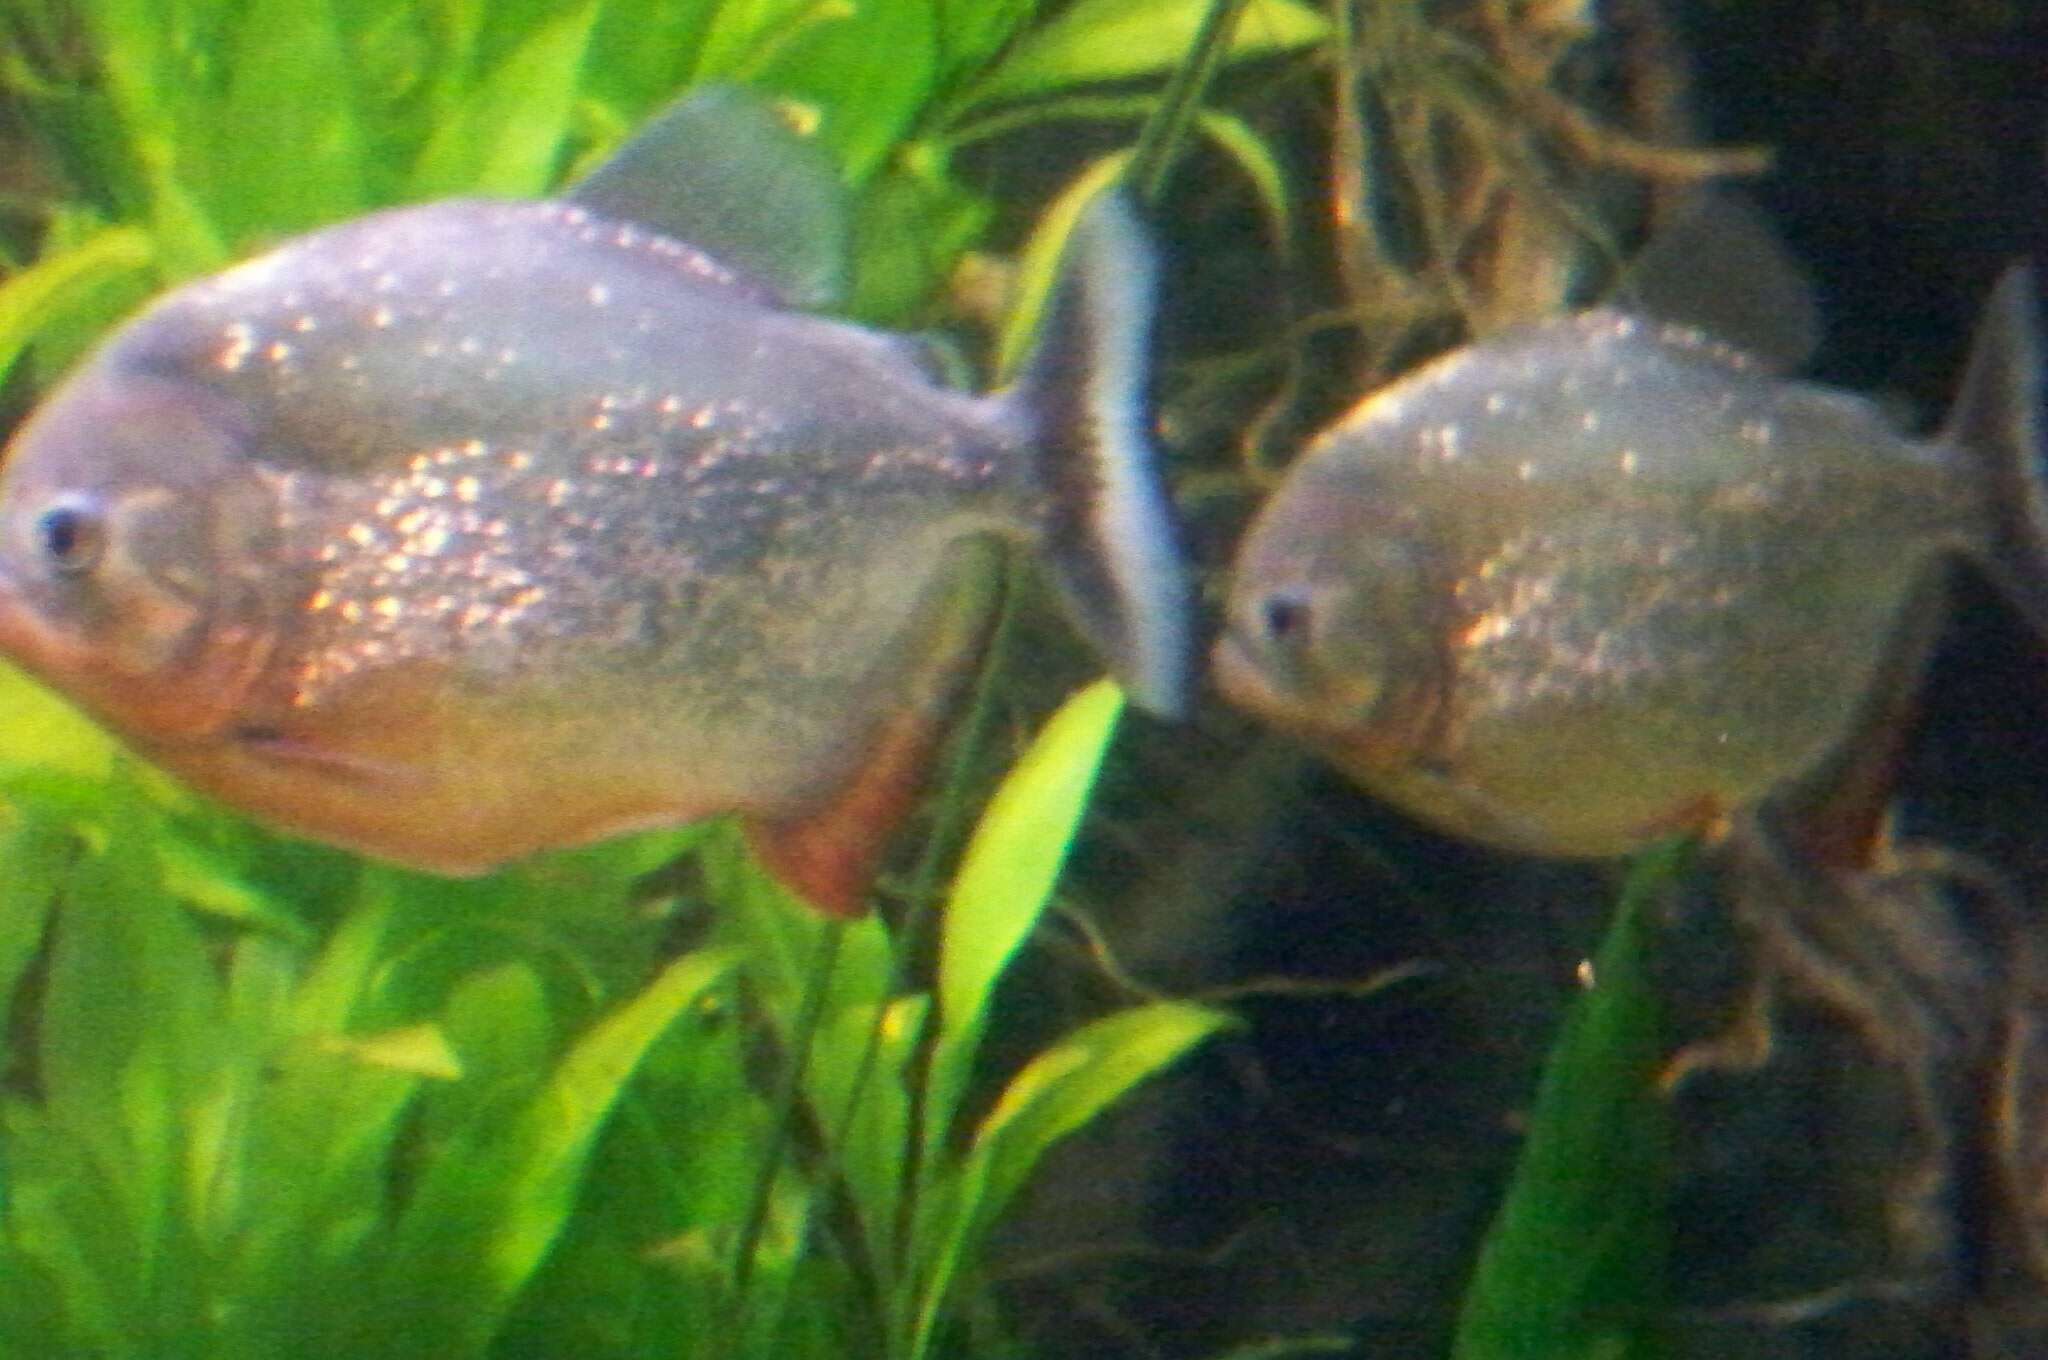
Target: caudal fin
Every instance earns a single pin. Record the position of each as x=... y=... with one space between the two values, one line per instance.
x=1996 y=419
x=1110 y=536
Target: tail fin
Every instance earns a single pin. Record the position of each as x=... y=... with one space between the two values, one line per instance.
x=1109 y=529
x=1996 y=419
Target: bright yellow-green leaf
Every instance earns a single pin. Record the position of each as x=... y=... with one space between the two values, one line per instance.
x=39 y=729
x=422 y=1050
x=1068 y=1084
x=1006 y=878
x=1097 y=40
x=1038 y=267
x=507 y=135
x=494 y=1199
x=1059 y=1091
x=57 y=283
x=1018 y=847
x=196 y=876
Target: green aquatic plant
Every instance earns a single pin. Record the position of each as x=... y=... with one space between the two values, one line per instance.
x=1574 y=1265
x=266 y=1099
x=459 y=1119
x=194 y=130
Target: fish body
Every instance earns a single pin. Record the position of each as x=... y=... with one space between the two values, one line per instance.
x=467 y=530
x=1599 y=580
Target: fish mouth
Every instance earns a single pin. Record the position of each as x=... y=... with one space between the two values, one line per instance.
x=1250 y=687
x=30 y=642
x=1237 y=678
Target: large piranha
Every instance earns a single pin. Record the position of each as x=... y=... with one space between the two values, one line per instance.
x=465 y=530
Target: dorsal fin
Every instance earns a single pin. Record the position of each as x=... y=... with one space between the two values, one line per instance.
x=1719 y=266
x=1996 y=420
x=722 y=170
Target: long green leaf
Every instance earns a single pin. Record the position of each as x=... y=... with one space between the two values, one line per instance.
x=973 y=31
x=35 y=852
x=869 y=104
x=292 y=78
x=506 y=136
x=1006 y=878
x=150 y=53
x=1059 y=1091
x=132 y=1061
x=1097 y=40
x=1038 y=267
x=57 y=283
x=494 y=1199
x=1574 y=1263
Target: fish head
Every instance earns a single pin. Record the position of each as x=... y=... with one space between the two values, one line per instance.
x=1328 y=632
x=137 y=553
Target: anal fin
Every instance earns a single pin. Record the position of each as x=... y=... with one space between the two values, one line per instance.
x=828 y=853
x=828 y=856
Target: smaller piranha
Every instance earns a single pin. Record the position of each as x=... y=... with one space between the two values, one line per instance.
x=467 y=530
x=1599 y=580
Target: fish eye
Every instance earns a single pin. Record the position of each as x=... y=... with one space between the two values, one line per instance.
x=1284 y=615
x=70 y=536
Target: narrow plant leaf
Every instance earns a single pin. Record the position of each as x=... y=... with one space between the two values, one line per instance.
x=148 y=52
x=35 y=854
x=194 y=874
x=1574 y=1263
x=1059 y=1091
x=57 y=283
x=506 y=135
x=421 y=1050
x=315 y=1170
x=971 y=34
x=68 y=1224
x=131 y=1063
x=334 y=988
x=868 y=104
x=291 y=76
x=1065 y=1086
x=493 y=1200
x=1260 y=166
x=1096 y=40
x=746 y=35
x=1005 y=879
x=861 y=1099
x=1038 y=266
x=911 y=224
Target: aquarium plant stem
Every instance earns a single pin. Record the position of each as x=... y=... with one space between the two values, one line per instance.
x=1160 y=138
x=788 y=1101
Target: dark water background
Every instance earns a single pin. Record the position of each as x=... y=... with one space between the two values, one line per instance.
x=1332 y=1168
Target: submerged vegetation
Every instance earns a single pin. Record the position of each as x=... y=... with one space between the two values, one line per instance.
x=268 y=1100
x=259 y=1098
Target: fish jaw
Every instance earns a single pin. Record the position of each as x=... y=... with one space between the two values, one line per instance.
x=194 y=700
x=1351 y=726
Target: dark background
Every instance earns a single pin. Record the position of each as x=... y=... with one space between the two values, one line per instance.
x=1330 y=1169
